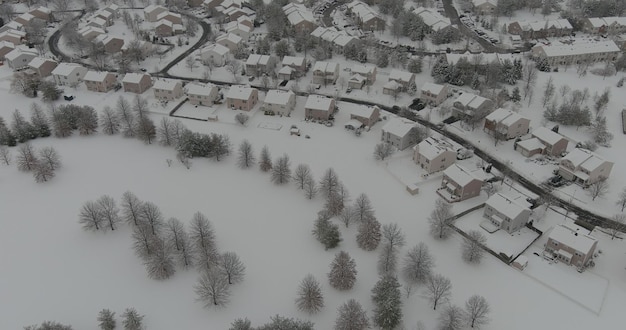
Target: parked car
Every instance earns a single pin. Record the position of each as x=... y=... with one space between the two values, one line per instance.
x=68 y=97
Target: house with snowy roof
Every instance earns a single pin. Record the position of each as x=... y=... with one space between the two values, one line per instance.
x=169 y=16
x=90 y=32
x=279 y=102
x=12 y=36
x=241 y=97
x=111 y=44
x=484 y=7
x=543 y=141
x=42 y=66
x=151 y=12
x=25 y=18
x=19 y=57
x=201 y=94
x=434 y=155
x=368 y=71
x=106 y=15
x=238 y=29
x=366 y=17
x=42 y=13
x=507 y=213
x=319 y=107
x=337 y=39
x=366 y=114
x=113 y=9
x=5 y=48
x=404 y=78
x=167 y=89
x=229 y=40
x=432 y=93
x=325 y=72
x=571 y=244
x=541 y=29
x=584 y=167
x=69 y=74
x=356 y=81
x=257 y=64
x=459 y=183
x=434 y=20
x=397 y=132
x=467 y=104
x=298 y=63
x=100 y=81
x=12 y=25
x=216 y=54
x=299 y=17
x=577 y=52
x=136 y=82
x=604 y=25
x=97 y=22
x=234 y=13
x=505 y=124
x=246 y=21
x=164 y=28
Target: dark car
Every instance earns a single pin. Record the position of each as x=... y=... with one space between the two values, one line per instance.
x=68 y=97
x=417 y=104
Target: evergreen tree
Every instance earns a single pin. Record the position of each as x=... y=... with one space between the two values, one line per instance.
x=415 y=65
x=515 y=95
x=369 y=235
x=132 y=320
x=6 y=136
x=265 y=161
x=87 y=121
x=106 y=320
x=342 y=271
x=326 y=232
x=310 y=298
x=351 y=317
x=441 y=71
x=387 y=303
x=40 y=121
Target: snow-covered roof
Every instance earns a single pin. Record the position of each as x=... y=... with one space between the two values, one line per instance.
x=99 y=21
x=104 y=13
x=432 y=147
x=42 y=9
x=5 y=43
x=432 y=18
x=166 y=84
x=12 y=25
x=258 y=59
x=200 y=89
x=598 y=22
x=470 y=100
x=364 y=69
x=240 y=92
x=12 y=33
x=216 y=48
x=363 y=11
x=230 y=37
x=279 y=97
x=235 y=25
x=459 y=174
x=166 y=23
x=357 y=78
x=481 y=2
x=578 y=48
x=339 y=38
x=326 y=67
x=96 y=76
x=66 y=69
x=152 y=8
x=432 y=88
x=89 y=29
x=17 y=52
x=286 y=70
x=503 y=116
x=297 y=13
x=583 y=158
x=392 y=84
x=540 y=25
x=26 y=16
x=364 y=111
x=531 y=144
x=134 y=78
x=574 y=236
x=398 y=127
x=506 y=205
x=318 y=102
x=403 y=76
x=37 y=62
x=293 y=60
x=547 y=135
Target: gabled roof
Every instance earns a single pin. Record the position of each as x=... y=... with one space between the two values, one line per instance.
x=216 y=48
x=531 y=144
x=470 y=100
x=258 y=59
x=433 y=19
x=8 y=44
x=326 y=67
x=598 y=22
x=152 y=8
x=297 y=13
x=432 y=88
x=286 y=70
x=459 y=174
x=98 y=76
x=574 y=236
x=293 y=60
x=66 y=69
x=403 y=76
x=17 y=52
x=98 y=21
x=398 y=127
x=481 y=2
x=510 y=207
x=166 y=84
x=540 y=25
x=279 y=97
x=318 y=102
x=357 y=78
x=392 y=84
x=432 y=147
x=37 y=62
x=364 y=69
x=230 y=37
x=547 y=135
x=503 y=116
x=134 y=78
x=584 y=158
x=200 y=89
x=363 y=11
x=364 y=111
x=42 y=9
x=240 y=92
x=578 y=48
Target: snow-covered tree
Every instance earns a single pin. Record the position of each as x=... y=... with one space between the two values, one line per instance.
x=387 y=303
x=279 y=322
x=548 y=92
x=132 y=320
x=310 y=188
x=22 y=129
x=369 y=235
x=151 y=215
x=363 y=208
x=326 y=232
x=351 y=316
x=5 y=155
x=621 y=201
x=144 y=242
x=231 y=267
x=473 y=246
x=310 y=298
x=90 y=216
x=40 y=121
x=131 y=208
x=348 y=215
x=126 y=116
x=451 y=318
x=178 y=237
x=106 y=320
x=87 y=121
x=476 y=311
x=246 y=154
x=600 y=131
x=281 y=171
x=330 y=182
x=26 y=159
x=109 y=212
x=160 y=264
x=438 y=289
x=383 y=150
x=387 y=260
x=265 y=161
x=213 y=289
x=440 y=220
x=393 y=236
x=110 y=121
x=342 y=271
x=49 y=157
x=241 y=324
x=598 y=188
x=418 y=264
x=146 y=130
x=301 y=174
x=202 y=237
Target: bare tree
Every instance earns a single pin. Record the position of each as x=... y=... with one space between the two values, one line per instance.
x=144 y=242
x=598 y=188
x=363 y=208
x=42 y=173
x=329 y=183
x=438 y=289
x=310 y=188
x=301 y=174
x=473 y=246
x=50 y=158
x=342 y=271
x=131 y=208
x=310 y=298
x=5 y=155
x=242 y=118
x=151 y=215
x=393 y=236
x=132 y=320
x=476 y=311
x=202 y=237
x=234 y=66
x=246 y=155
x=212 y=289
x=369 y=235
x=351 y=316
x=109 y=211
x=281 y=171
x=265 y=163
x=418 y=264
x=127 y=118
x=383 y=150
x=110 y=121
x=549 y=91
x=26 y=159
x=617 y=226
x=165 y=132
x=6 y=11
x=387 y=261
x=190 y=63
x=87 y=121
x=232 y=268
x=160 y=264
x=146 y=130
x=179 y=239
x=451 y=318
x=90 y=216
x=440 y=220
x=529 y=76
x=348 y=215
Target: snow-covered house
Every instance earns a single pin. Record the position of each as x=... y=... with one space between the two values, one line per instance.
x=506 y=124
x=238 y=29
x=12 y=25
x=113 y=9
x=11 y=36
x=366 y=70
x=258 y=64
x=242 y=97
x=337 y=39
x=5 y=48
x=246 y=21
x=325 y=72
x=233 y=13
x=201 y=94
x=506 y=213
x=484 y=7
x=434 y=155
x=434 y=20
x=319 y=107
x=106 y=15
x=216 y=54
x=42 y=66
x=97 y=22
x=459 y=183
x=300 y=17
x=577 y=52
x=136 y=82
x=286 y=73
x=391 y=87
x=69 y=74
x=169 y=16
x=229 y=40
x=296 y=62
x=404 y=78
x=111 y=44
x=41 y=12
x=571 y=244
x=90 y=32
x=19 y=57
x=604 y=25
x=367 y=115
x=164 y=28
x=356 y=81
x=543 y=141
x=100 y=81
x=167 y=89
x=280 y=102
x=541 y=29
x=151 y=12
x=467 y=104
x=433 y=93
x=24 y=19
x=584 y=167
x=365 y=16
x=397 y=132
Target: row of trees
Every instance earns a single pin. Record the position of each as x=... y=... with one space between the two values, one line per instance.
x=476 y=73
x=131 y=320
x=42 y=164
